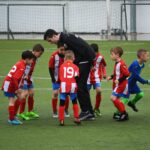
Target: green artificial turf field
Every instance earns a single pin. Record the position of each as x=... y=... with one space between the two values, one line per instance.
x=102 y=134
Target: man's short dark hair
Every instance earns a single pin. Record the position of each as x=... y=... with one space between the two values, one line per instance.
x=27 y=55
x=38 y=48
x=60 y=44
x=140 y=52
x=95 y=47
x=49 y=33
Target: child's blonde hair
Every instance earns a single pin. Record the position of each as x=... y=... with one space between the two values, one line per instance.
x=69 y=55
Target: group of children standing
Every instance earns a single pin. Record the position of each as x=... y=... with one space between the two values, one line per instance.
x=64 y=76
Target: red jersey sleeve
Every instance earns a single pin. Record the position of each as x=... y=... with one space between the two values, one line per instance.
x=18 y=76
x=124 y=70
x=104 y=67
x=51 y=63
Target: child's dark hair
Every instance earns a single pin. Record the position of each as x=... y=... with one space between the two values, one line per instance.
x=60 y=44
x=38 y=48
x=117 y=50
x=27 y=55
x=95 y=47
x=141 y=51
x=49 y=34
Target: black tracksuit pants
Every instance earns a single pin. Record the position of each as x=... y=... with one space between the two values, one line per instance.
x=83 y=93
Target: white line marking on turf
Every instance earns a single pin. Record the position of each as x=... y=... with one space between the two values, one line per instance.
x=103 y=89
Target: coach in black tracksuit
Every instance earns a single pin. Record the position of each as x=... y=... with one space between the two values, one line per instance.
x=84 y=56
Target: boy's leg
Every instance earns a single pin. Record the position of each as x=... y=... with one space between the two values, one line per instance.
x=62 y=108
x=11 y=109
x=98 y=99
x=31 y=112
x=17 y=105
x=22 y=105
x=120 y=106
x=139 y=94
x=66 y=107
x=54 y=103
x=75 y=108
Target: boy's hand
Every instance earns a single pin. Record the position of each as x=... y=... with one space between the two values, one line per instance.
x=109 y=78
x=116 y=81
x=25 y=77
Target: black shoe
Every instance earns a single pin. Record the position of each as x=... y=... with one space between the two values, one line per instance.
x=77 y=121
x=123 y=117
x=91 y=117
x=130 y=104
x=61 y=123
x=116 y=116
x=84 y=115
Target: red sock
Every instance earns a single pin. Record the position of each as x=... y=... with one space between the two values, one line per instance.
x=22 y=105
x=54 y=104
x=119 y=105
x=98 y=101
x=76 y=110
x=30 y=103
x=11 y=110
x=67 y=103
x=17 y=104
x=61 y=112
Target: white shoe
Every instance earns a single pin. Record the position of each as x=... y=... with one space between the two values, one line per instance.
x=67 y=115
x=55 y=115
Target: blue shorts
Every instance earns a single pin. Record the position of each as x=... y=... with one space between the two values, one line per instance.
x=56 y=86
x=27 y=87
x=7 y=94
x=64 y=95
x=134 y=89
x=89 y=86
x=120 y=95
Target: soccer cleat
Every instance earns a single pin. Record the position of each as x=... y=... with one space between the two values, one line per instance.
x=130 y=104
x=23 y=116
x=91 y=117
x=123 y=117
x=61 y=123
x=84 y=115
x=32 y=114
x=77 y=121
x=55 y=115
x=97 y=112
x=14 y=122
x=116 y=115
x=67 y=115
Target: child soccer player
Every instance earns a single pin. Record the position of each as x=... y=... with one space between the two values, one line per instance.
x=120 y=82
x=97 y=72
x=12 y=83
x=69 y=73
x=37 y=51
x=135 y=70
x=56 y=60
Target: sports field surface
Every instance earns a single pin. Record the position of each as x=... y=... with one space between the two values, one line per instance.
x=102 y=134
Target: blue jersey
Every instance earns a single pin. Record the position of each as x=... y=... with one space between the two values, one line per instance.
x=135 y=69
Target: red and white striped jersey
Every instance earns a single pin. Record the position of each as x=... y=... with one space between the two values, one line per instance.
x=120 y=70
x=14 y=78
x=55 y=62
x=98 y=70
x=68 y=72
x=29 y=71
